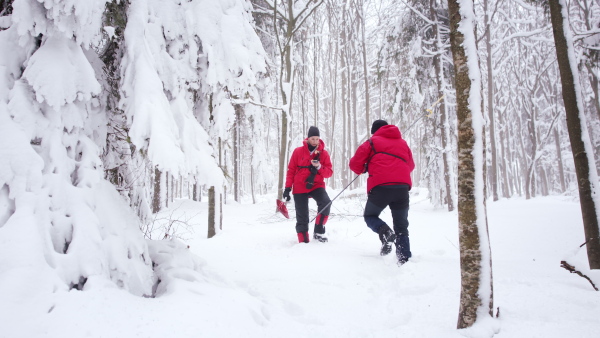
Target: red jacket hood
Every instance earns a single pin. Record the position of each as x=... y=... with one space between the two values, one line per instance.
x=389 y=131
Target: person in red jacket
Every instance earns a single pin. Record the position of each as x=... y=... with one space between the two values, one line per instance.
x=309 y=166
x=389 y=162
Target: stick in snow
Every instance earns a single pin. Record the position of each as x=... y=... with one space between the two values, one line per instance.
x=571 y=269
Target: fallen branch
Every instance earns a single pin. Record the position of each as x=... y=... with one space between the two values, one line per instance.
x=572 y=269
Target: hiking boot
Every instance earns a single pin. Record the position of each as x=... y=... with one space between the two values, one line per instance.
x=320 y=237
x=319 y=234
x=402 y=248
x=387 y=237
x=401 y=258
x=303 y=237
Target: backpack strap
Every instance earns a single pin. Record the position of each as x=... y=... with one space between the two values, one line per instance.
x=375 y=152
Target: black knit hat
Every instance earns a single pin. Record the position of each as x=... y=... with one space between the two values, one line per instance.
x=378 y=124
x=313 y=131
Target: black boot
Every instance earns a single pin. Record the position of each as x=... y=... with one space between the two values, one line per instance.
x=387 y=237
x=319 y=233
x=403 y=248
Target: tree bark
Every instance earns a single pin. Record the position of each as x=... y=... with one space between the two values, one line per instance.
x=156 y=205
x=470 y=195
x=365 y=72
x=574 y=126
x=236 y=153
x=561 y=171
x=211 y=212
x=490 y=99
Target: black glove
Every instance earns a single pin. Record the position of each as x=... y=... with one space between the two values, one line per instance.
x=286 y=194
x=314 y=170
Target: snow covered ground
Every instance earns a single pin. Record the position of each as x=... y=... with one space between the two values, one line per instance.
x=254 y=280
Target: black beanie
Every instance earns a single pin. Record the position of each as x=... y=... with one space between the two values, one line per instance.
x=313 y=131
x=377 y=124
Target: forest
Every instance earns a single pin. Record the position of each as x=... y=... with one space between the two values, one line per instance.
x=141 y=102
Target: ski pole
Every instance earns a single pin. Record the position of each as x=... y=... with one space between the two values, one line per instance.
x=336 y=196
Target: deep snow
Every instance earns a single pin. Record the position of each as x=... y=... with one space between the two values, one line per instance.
x=254 y=280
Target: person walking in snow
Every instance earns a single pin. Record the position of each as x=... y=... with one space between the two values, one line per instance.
x=309 y=166
x=388 y=159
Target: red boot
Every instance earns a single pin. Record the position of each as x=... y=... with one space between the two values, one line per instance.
x=303 y=237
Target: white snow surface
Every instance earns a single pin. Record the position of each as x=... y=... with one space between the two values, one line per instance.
x=254 y=280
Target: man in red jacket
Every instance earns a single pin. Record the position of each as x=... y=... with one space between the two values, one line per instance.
x=389 y=162
x=309 y=166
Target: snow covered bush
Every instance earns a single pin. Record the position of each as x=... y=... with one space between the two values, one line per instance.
x=92 y=88
x=62 y=224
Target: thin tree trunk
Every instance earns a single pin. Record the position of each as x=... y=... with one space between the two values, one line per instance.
x=561 y=171
x=252 y=184
x=576 y=128
x=315 y=80
x=544 y=181
x=236 y=153
x=195 y=191
x=365 y=73
x=344 y=99
x=156 y=205
x=490 y=99
x=505 y=159
x=167 y=189
x=211 y=212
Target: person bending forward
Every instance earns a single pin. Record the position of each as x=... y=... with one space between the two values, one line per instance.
x=389 y=162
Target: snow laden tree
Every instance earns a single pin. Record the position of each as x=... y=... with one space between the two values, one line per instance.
x=476 y=299
x=587 y=176
x=62 y=226
x=180 y=65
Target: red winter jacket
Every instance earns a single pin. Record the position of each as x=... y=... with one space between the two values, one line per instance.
x=301 y=157
x=389 y=158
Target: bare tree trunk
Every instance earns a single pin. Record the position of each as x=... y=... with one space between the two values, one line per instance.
x=505 y=160
x=344 y=100
x=490 y=99
x=315 y=80
x=333 y=73
x=561 y=171
x=252 y=184
x=211 y=212
x=287 y=104
x=475 y=260
x=365 y=72
x=544 y=183
x=576 y=128
x=156 y=205
x=195 y=191
x=236 y=153
x=172 y=188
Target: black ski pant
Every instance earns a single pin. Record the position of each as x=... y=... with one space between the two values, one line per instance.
x=397 y=198
x=301 y=203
